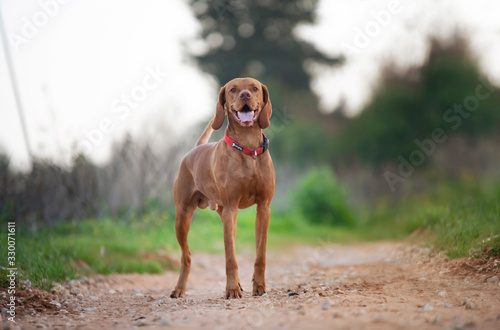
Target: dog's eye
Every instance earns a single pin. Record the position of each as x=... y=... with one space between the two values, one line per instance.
x=255 y=89
x=233 y=90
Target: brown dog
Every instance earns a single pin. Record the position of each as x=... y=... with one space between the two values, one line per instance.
x=228 y=175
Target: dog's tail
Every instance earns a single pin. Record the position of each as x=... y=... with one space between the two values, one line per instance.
x=206 y=134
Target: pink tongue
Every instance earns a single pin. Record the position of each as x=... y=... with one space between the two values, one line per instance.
x=246 y=116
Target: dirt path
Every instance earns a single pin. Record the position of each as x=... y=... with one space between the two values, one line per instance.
x=368 y=286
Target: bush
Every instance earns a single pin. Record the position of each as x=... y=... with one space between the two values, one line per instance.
x=322 y=199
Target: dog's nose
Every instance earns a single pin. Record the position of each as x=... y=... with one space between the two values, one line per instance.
x=245 y=94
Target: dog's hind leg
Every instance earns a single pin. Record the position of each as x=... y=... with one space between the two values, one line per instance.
x=182 y=223
x=185 y=206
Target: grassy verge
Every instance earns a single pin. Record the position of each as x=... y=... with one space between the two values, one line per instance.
x=35 y=259
x=461 y=218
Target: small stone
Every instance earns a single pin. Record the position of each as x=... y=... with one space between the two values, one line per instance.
x=74 y=292
x=442 y=294
x=469 y=304
x=493 y=279
x=426 y=308
x=159 y=302
x=55 y=303
x=111 y=291
x=291 y=294
x=325 y=305
x=5 y=310
x=448 y=305
x=141 y=322
x=57 y=288
x=89 y=309
x=93 y=297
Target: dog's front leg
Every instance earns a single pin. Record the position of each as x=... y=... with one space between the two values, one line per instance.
x=261 y=227
x=228 y=217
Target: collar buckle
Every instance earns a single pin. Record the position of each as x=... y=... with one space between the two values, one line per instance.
x=250 y=152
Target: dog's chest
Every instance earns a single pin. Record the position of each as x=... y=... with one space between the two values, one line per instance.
x=244 y=181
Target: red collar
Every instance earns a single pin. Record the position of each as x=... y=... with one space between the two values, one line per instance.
x=247 y=151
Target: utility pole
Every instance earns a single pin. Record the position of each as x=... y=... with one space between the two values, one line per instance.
x=15 y=87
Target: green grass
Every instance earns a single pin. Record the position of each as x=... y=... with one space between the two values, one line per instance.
x=36 y=260
x=460 y=218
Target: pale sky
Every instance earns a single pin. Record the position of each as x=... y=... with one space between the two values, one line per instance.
x=91 y=70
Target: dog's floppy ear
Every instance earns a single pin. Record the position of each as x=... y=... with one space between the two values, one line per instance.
x=267 y=110
x=220 y=113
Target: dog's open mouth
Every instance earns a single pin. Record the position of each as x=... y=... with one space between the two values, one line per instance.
x=245 y=115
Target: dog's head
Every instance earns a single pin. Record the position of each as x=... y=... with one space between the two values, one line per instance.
x=246 y=102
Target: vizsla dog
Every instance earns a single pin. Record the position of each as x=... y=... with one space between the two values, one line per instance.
x=233 y=173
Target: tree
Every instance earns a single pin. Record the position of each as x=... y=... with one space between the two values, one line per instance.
x=256 y=38
x=410 y=105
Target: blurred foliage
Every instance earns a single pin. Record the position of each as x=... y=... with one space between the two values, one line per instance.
x=409 y=105
x=134 y=178
x=322 y=199
x=301 y=144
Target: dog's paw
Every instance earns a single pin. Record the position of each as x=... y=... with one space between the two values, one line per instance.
x=234 y=293
x=258 y=290
x=177 y=293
